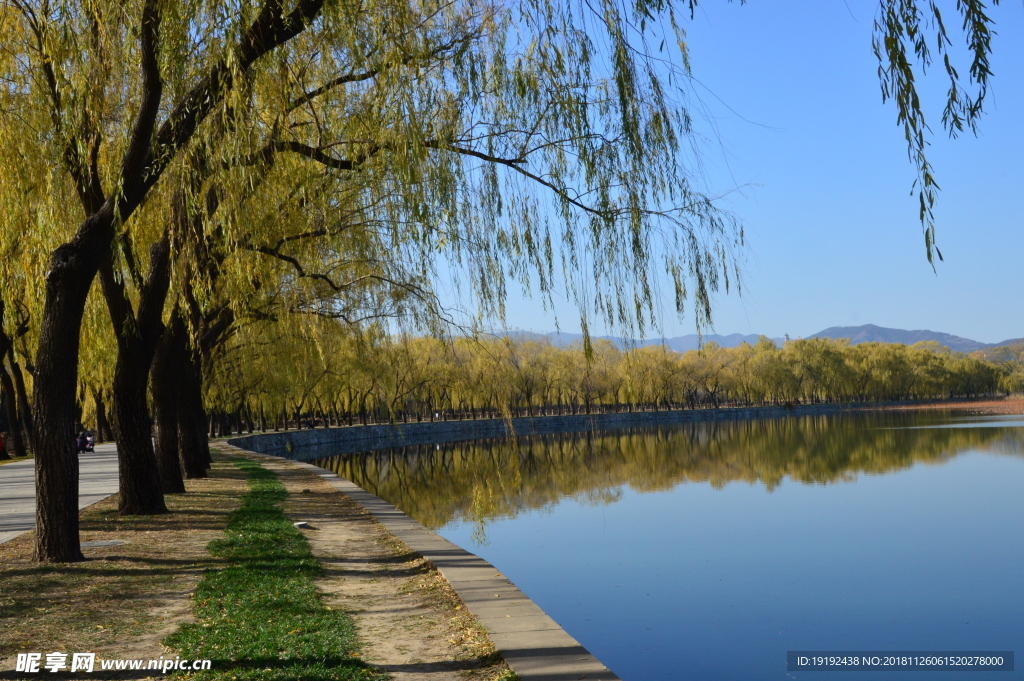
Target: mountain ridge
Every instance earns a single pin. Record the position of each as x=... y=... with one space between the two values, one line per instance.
x=868 y=333
x=865 y=333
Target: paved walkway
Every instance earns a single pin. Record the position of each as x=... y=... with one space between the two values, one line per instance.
x=97 y=480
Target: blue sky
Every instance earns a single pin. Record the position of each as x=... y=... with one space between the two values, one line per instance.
x=796 y=126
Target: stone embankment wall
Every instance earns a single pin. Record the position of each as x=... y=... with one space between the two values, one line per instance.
x=305 y=445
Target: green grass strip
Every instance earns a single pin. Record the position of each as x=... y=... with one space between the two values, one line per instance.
x=261 y=617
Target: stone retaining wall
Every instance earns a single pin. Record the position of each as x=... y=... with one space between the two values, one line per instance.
x=304 y=445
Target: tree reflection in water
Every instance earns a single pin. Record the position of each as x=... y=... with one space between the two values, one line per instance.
x=482 y=480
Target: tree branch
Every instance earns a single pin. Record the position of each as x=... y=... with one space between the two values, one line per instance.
x=330 y=85
x=153 y=295
x=307 y=97
x=119 y=307
x=133 y=168
x=85 y=176
x=271 y=29
x=318 y=155
x=516 y=165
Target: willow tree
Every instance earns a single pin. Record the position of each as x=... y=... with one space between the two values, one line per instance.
x=519 y=140
x=105 y=93
x=910 y=37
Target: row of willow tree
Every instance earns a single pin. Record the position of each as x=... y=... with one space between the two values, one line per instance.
x=176 y=177
x=338 y=377
x=349 y=379
x=191 y=191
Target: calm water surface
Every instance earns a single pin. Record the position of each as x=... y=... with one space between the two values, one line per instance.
x=706 y=551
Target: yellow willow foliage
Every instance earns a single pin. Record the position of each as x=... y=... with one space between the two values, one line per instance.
x=532 y=142
x=338 y=372
x=98 y=352
x=909 y=37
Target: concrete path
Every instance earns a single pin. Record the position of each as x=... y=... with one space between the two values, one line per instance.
x=97 y=480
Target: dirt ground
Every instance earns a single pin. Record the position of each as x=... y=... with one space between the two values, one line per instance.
x=125 y=599
x=411 y=623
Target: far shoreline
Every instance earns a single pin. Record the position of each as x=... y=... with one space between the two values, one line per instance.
x=305 y=445
x=1010 y=405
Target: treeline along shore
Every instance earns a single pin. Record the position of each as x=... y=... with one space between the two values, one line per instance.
x=384 y=380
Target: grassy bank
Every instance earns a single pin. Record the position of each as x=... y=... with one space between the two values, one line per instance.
x=261 y=617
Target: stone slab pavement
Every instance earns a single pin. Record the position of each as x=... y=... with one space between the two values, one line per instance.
x=533 y=644
x=97 y=480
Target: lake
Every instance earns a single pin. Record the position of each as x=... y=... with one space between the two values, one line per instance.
x=709 y=550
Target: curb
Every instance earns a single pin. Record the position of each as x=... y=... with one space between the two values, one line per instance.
x=533 y=644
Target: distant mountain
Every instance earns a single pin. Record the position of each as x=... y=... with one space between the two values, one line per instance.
x=869 y=333
x=678 y=343
x=866 y=333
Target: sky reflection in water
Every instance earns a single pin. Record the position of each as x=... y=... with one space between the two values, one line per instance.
x=706 y=551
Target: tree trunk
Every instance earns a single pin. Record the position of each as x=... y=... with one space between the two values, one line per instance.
x=9 y=413
x=14 y=442
x=24 y=409
x=139 y=485
x=192 y=443
x=139 y=488
x=165 y=414
x=104 y=433
x=73 y=267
